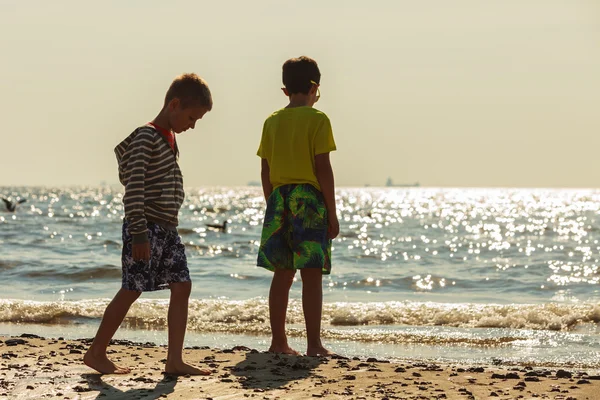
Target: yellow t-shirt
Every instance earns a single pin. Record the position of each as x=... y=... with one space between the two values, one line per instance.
x=291 y=139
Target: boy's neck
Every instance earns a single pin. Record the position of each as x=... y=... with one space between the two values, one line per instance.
x=162 y=120
x=300 y=100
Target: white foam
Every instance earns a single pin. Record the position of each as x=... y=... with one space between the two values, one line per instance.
x=252 y=315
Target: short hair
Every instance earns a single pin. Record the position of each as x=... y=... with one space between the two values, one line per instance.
x=298 y=72
x=191 y=90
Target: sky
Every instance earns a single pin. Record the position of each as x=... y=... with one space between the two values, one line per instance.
x=447 y=93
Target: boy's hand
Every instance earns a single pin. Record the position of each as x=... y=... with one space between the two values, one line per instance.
x=333 y=227
x=141 y=251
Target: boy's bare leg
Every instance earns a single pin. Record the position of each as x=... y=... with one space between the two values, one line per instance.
x=177 y=320
x=312 y=305
x=278 y=303
x=114 y=314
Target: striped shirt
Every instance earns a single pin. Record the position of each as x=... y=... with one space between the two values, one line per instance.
x=153 y=182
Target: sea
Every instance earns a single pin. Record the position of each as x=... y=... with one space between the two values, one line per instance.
x=488 y=276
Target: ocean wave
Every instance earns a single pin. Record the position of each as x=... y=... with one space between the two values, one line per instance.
x=75 y=274
x=552 y=316
x=251 y=317
x=6 y=265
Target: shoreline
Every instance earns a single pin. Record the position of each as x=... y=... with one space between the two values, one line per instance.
x=32 y=367
x=433 y=350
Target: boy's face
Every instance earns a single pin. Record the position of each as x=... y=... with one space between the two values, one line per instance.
x=182 y=119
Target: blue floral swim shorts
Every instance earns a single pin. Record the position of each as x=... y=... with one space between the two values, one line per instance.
x=167 y=264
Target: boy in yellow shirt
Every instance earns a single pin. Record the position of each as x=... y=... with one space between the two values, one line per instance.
x=301 y=219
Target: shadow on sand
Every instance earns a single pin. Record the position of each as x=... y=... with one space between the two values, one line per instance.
x=107 y=391
x=271 y=371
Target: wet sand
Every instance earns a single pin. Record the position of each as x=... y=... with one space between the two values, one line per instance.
x=36 y=368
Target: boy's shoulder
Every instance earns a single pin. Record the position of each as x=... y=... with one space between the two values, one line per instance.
x=143 y=130
x=146 y=130
x=309 y=112
x=144 y=133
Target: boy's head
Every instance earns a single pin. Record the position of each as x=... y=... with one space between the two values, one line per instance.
x=187 y=100
x=301 y=76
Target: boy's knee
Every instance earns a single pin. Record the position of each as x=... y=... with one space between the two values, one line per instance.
x=311 y=276
x=311 y=273
x=129 y=295
x=183 y=289
x=285 y=276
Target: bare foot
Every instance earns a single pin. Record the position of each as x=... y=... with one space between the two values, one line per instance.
x=283 y=350
x=103 y=365
x=181 y=368
x=319 y=352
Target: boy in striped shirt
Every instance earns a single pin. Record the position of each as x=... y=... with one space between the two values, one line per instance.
x=153 y=256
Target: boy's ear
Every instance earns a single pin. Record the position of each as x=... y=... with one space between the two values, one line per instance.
x=285 y=91
x=174 y=103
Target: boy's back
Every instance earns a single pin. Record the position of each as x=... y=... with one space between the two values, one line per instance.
x=300 y=219
x=291 y=139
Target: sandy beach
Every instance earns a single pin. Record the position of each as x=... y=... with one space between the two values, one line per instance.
x=34 y=368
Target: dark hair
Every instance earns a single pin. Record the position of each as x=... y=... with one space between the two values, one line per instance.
x=298 y=72
x=191 y=90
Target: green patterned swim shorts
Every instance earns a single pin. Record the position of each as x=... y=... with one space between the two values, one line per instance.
x=294 y=233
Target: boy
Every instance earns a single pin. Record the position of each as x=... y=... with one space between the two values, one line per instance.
x=301 y=219
x=153 y=256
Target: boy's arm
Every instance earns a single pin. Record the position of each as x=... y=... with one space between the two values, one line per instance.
x=141 y=150
x=325 y=178
x=265 y=177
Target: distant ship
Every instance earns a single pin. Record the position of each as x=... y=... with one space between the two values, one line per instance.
x=254 y=183
x=390 y=183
